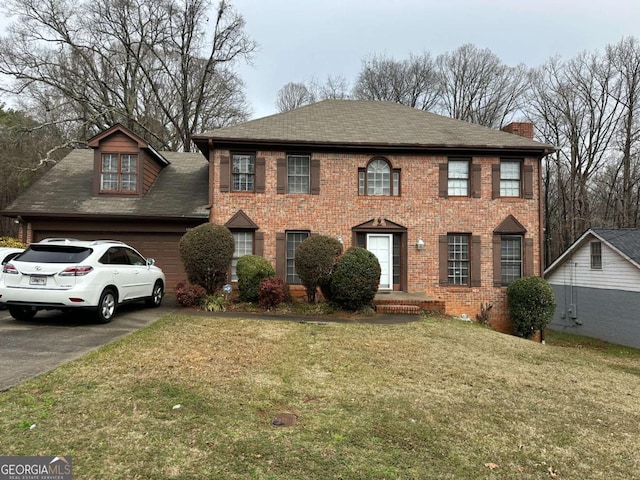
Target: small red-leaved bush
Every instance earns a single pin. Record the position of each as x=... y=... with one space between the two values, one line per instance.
x=189 y=295
x=273 y=292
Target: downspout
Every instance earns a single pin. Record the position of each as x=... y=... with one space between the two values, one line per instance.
x=541 y=228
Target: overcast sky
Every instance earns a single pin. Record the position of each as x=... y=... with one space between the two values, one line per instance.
x=301 y=40
x=304 y=39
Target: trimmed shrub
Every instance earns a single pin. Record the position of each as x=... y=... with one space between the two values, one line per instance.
x=189 y=295
x=273 y=291
x=206 y=252
x=252 y=269
x=355 y=279
x=531 y=305
x=315 y=260
x=10 y=242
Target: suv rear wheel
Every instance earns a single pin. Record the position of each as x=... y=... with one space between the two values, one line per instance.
x=106 y=306
x=22 y=313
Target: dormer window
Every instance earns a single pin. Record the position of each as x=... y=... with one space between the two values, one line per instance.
x=119 y=173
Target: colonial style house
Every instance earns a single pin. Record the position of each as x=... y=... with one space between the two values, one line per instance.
x=596 y=283
x=452 y=210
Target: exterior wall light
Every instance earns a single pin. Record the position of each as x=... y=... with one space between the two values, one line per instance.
x=340 y=240
x=420 y=243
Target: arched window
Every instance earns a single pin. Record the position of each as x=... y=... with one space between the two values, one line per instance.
x=378 y=179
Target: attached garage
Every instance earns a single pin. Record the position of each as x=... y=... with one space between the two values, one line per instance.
x=157 y=242
x=119 y=189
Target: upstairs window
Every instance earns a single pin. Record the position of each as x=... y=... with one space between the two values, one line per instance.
x=596 y=255
x=458 y=178
x=509 y=178
x=379 y=179
x=244 y=172
x=298 y=173
x=119 y=173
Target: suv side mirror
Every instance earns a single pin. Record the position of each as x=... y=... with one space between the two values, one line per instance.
x=150 y=262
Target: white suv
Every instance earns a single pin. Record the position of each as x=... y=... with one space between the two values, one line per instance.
x=67 y=273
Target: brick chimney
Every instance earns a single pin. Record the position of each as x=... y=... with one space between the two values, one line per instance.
x=524 y=129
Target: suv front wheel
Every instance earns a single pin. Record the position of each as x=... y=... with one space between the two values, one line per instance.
x=106 y=306
x=156 y=295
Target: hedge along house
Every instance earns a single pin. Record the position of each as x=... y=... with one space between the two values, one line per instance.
x=119 y=188
x=452 y=210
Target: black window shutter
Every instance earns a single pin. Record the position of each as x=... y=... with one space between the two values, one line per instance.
x=528 y=257
x=282 y=175
x=476 y=180
x=476 y=262
x=281 y=256
x=497 y=261
x=224 y=174
x=443 y=190
x=258 y=245
x=443 y=260
x=495 y=181
x=528 y=181
x=315 y=177
x=260 y=173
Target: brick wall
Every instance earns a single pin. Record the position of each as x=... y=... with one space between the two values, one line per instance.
x=338 y=208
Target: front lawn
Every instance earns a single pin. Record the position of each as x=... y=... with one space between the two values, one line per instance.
x=195 y=397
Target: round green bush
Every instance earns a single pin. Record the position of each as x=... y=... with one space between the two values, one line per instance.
x=315 y=260
x=531 y=305
x=206 y=252
x=252 y=269
x=355 y=279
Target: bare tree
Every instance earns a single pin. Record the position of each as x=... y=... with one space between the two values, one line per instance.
x=412 y=82
x=23 y=144
x=574 y=102
x=625 y=60
x=293 y=95
x=336 y=87
x=477 y=87
x=154 y=66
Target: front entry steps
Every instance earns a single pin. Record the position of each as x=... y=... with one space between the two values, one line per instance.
x=403 y=303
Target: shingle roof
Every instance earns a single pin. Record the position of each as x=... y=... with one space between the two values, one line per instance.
x=358 y=122
x=626 y=240
x=181 y=190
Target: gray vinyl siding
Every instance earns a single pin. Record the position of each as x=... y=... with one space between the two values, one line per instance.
x=617 y=272
x=610 y=315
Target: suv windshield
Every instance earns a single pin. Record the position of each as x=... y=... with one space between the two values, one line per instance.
x=54 y=254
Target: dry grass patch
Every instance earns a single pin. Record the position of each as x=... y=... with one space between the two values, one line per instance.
x=194 y=397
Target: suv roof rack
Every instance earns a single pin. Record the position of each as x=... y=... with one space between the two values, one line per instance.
x=58 y=239
x=99 y=242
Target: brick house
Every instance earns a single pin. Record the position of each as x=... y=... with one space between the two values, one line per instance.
x=452 y=210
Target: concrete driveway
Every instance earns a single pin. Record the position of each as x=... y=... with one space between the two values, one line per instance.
x=30 y=348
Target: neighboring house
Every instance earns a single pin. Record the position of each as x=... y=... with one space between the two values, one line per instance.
x=119 y=188
x=596 y=283
x=452 y=210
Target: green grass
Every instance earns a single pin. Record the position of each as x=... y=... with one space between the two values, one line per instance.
x=433 y=399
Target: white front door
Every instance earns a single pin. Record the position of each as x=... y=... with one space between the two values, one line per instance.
x=381 y=245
